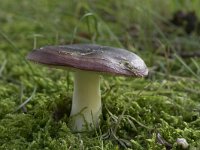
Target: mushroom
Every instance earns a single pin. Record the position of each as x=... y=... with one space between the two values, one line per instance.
x=89 y=61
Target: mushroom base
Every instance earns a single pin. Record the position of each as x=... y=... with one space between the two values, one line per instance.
x=86 y=103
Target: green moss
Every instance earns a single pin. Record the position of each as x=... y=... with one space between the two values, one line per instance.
x=134 y=110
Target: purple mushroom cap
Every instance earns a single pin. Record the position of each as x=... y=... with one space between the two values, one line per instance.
x=91 y=57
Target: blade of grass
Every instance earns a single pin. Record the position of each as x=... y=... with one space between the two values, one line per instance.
x=111 y=33
x=125 y=108
x=35 y=36
x=3 y=67
x=26 y=101
x=83 y=18
x=186 y=66
x=196 y=64
x=21 y=97
x=7 y=39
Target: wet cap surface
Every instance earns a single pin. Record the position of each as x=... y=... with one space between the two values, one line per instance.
x=90 y=57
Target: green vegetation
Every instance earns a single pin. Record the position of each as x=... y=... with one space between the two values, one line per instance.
x=135 y=111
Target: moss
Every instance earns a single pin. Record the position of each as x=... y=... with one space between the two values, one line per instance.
x=134 y=110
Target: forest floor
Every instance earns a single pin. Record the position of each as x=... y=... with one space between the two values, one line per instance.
x=138 y=113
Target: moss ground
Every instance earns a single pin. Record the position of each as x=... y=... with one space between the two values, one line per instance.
x=135 y=111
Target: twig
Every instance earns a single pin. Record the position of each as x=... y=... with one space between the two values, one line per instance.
x=162 y=141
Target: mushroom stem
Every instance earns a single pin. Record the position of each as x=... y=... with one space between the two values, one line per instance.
x=86 y=103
